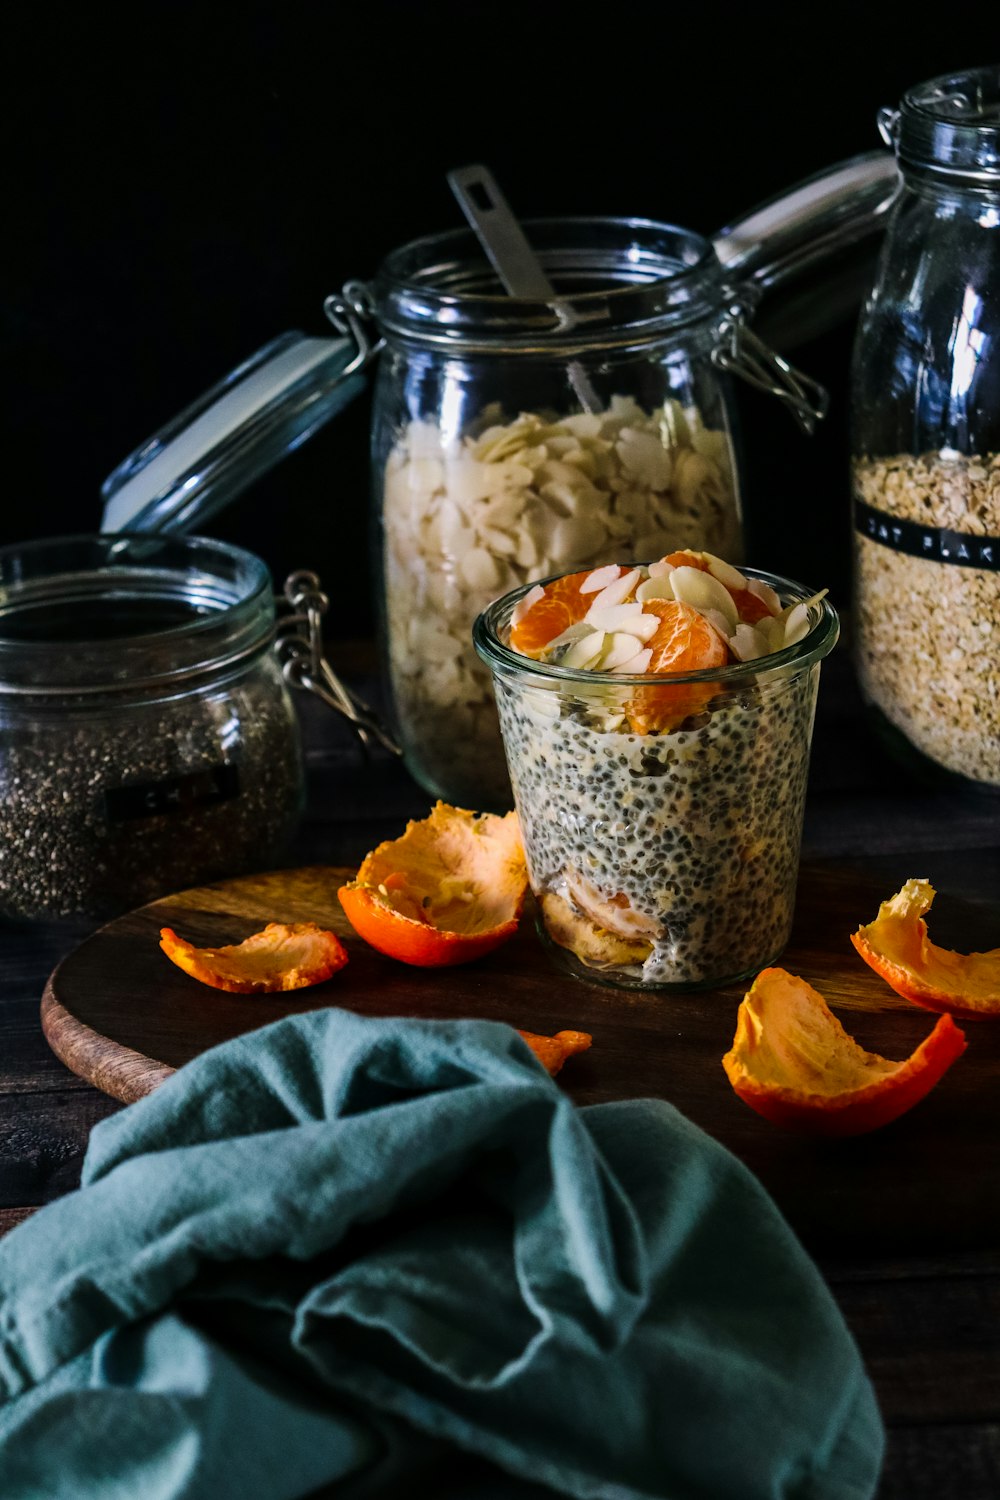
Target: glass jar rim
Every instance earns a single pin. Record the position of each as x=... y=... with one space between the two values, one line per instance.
x=819 y=642
x=227 y=590
x=655 y=276
x=950 y=127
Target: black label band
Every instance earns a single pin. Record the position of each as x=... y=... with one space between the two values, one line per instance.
x=934 y=542
x=173 y=795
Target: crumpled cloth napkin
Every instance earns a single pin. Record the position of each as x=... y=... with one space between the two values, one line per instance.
x=392 y=1257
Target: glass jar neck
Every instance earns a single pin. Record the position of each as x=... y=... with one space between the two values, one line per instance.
x=947 y=132
x=128 y=616
x=620 y=283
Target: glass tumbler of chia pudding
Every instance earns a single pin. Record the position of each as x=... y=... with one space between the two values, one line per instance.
x=661 y=811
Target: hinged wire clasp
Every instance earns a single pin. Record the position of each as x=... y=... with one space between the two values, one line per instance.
x=743 y=353
x=352 y=312
x=299 y=644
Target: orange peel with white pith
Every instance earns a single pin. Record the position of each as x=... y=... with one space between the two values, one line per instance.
x=897 y=947
x=448 y=890
x=284 y=956
x=552 y=1051
x=793 y=1062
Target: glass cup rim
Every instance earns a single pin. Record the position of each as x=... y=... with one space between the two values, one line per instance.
x=818 y=643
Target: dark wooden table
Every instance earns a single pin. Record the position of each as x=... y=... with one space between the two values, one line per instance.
x=928 y=1324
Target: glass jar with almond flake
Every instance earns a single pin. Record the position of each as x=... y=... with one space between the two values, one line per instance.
x=926 y=396
x=517 y=439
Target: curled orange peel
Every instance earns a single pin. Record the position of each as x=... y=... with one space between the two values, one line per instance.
x=281 y=957
x=897 y=947
x=552 y=1051
x=448 y=890
x=793 y=1062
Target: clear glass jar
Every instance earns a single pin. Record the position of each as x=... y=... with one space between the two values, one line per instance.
x=661 y=860
x=926 y=440
x=488 y=475
x=147 y=738
x=515 y=437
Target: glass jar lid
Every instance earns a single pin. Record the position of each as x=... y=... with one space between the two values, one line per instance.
x=950 y=127
x=232 y=434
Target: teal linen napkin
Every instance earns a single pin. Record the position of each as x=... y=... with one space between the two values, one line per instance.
x=367 y=1253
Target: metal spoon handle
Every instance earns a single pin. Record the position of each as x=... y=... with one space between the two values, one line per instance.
x=511 y=256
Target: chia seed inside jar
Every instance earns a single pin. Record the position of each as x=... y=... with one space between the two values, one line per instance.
x=147 y=739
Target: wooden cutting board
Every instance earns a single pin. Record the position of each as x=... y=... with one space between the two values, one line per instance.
x=119 y=1014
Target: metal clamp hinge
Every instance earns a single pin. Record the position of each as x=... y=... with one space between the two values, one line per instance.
x=352 y=312
x=299 y=643
x=743 y=353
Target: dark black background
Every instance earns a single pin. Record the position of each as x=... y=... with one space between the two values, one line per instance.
x=183 y=183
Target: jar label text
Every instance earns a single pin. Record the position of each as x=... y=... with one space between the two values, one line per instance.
x=173 y=795
x=935 y=542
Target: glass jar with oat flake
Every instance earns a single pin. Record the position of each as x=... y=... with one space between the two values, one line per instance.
x=926 y=439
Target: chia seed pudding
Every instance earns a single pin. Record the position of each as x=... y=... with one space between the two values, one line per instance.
x=661 y=859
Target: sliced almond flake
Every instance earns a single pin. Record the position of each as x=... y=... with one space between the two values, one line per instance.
x=637 y=664
x=577 y=632
x=746 y=644
x=624 y=617
x=600 y=578
x=654 y=588
x=801 y=604
x=773 y=632
x=617 y=591
x=585 y=652
x=765 y=593
x=718 y=622
x=796 y=625
x=728 y=576
x=583 y=424
x=527 y=552
x=702 y=592
x=618 y=649
x=523 y=605
x=608 y=723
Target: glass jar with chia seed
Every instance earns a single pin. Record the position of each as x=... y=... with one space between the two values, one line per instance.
x=926 y=442
x=666 y=859
x=147 y=737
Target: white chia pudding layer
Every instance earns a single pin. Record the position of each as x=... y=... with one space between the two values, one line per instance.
x=692 y=834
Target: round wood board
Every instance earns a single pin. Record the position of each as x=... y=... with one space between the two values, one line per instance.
x=119 y=1014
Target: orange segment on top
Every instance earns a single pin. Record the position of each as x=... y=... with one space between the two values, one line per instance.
x=689 y=612
x=560 y=606
x=684 y=642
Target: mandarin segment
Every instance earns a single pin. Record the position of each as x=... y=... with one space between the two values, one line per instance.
x=684 y=642
x=896 y=945
x=284 y=956
x=560 y=606
x=793 y=1062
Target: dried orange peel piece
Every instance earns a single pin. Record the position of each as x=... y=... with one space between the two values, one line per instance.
x=552 y=1051
x=897 y=947
x=282 y=957
x=794 y=1063
x=449 y=890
